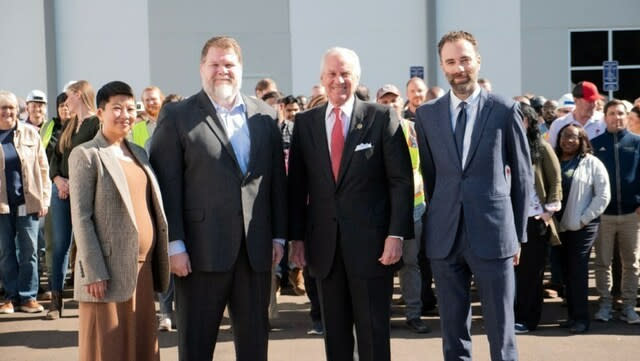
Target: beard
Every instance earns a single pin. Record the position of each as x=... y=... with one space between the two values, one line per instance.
x=153 y=111
x=222 y=93
x=460 y=86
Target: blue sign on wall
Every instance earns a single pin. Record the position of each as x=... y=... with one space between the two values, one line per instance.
x=610 y=76
x=416 y=71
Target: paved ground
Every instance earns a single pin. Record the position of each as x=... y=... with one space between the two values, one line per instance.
x=28 y=337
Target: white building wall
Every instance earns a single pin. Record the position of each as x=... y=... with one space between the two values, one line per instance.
x=524 y=44
x=101 y=41
x=388 y=37
x=178 y=30
x=496 y=26
x=22 y=55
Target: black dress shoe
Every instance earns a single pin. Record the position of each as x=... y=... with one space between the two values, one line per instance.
x=418 y=326
x=578 y=328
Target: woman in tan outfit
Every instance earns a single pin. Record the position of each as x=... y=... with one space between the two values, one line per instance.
x=121 y=235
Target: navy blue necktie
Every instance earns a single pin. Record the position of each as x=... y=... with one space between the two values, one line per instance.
x=461 y=124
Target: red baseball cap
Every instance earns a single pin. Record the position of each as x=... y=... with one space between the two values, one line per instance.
x=587 y=91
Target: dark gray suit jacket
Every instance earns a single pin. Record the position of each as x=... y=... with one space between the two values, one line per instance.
x=373 y=197
x=492 y=190
x=210 y=204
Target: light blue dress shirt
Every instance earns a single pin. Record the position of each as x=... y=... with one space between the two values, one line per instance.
x=234 y=121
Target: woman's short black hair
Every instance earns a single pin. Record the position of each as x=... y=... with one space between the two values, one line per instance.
x=112 y=89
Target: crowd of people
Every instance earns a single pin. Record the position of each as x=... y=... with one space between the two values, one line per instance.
x=218 y=200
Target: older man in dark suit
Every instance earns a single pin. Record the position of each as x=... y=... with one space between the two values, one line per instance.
x=351 y=203
x=219 y=161
x=477 y=172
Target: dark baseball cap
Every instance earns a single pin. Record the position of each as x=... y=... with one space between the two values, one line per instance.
x=587 y=91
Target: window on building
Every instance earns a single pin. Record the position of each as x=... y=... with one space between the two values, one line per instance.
x=590 y=48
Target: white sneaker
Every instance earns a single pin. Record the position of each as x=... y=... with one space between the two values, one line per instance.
x=629 y=314
x=604 y=313
x=165 y=323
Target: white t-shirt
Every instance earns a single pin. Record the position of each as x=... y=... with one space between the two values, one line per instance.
x=593 y=127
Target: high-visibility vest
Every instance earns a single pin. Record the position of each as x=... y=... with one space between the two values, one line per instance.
x=140 y=133
x=46 y=132
x=408 y=129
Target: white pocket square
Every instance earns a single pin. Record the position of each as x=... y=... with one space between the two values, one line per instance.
x=363 y=146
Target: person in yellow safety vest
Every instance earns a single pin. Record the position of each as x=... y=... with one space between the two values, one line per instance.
x=145 y=125
x=52 y=128
x=410 y=274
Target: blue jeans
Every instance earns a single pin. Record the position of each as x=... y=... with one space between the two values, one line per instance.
x=165 y=299
x=19 y=255
x=61 y=233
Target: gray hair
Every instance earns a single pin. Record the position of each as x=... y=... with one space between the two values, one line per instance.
x=349 y=55
x=9 y=97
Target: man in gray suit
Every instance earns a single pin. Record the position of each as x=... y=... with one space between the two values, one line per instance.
x=219 y=161
x=477 y=173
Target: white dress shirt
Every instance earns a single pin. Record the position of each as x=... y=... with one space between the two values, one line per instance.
x=346 y=110
x=473 y=109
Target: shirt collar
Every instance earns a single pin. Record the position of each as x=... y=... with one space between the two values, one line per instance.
x=347 y=107
x=471 y=100
x=238 y=105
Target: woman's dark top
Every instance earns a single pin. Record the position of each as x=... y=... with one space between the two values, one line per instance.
x=12 y=169
x=59 y=163
x=567 y=168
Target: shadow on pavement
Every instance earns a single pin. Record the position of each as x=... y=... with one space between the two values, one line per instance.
x=40 y=339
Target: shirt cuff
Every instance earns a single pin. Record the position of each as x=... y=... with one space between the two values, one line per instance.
x=279 y=241
x=553 y=207
x=401 y=238
x=176 y=247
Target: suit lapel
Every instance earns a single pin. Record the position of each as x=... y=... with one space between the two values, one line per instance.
x=484 y=105
x=143 y=161
x=214 y=122
x=256 y=132
x=114 y=169
x=319 y=136
x=443 y=125
x=357 y=128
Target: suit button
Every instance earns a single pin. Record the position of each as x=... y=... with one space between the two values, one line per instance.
x=334 y=219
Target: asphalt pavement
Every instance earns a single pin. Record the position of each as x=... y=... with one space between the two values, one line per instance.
x=28 y=337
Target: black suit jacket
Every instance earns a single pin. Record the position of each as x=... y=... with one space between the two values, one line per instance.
x=373 y=197
x=210 y=204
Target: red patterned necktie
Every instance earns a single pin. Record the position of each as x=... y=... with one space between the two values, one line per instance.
x=337 y=143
